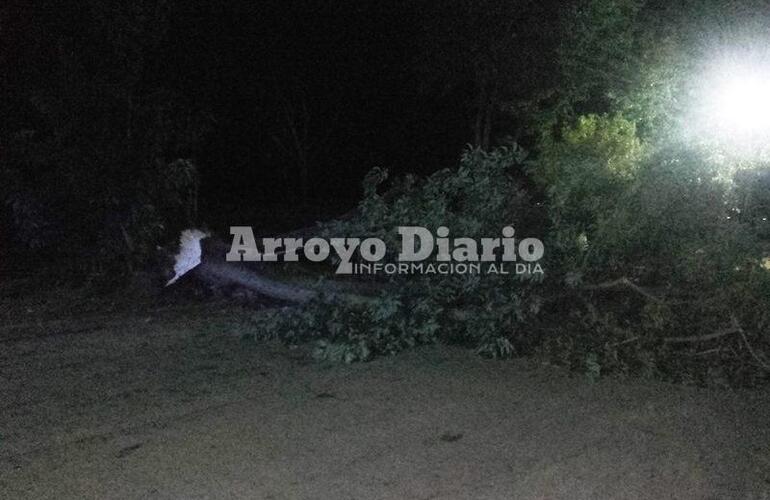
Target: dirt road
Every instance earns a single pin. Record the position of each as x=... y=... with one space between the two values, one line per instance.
x=171 y=403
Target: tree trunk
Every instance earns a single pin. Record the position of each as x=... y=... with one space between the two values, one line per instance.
x=487 y=131
x=482 y=129
x=205 y=257
x=478 y=126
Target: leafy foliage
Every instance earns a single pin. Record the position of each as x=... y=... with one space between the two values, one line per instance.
x=649 y=271
x=585 y=170
x=487 y=312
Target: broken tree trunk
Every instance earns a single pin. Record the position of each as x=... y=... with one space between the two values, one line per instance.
x=203 y=256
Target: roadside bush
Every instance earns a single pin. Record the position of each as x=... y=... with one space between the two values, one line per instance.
x=487 y=312
x=646 y=270
x=668 y=279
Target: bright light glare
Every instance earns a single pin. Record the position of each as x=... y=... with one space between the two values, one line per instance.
x=741 y=104
x=732 y=107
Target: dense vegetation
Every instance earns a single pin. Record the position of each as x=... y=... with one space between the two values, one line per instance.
x=657 y=259
x=657 y=241
x=646 y=271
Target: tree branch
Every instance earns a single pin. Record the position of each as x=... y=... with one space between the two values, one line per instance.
x=734 y=328
x=754 y=355
x=623 y=283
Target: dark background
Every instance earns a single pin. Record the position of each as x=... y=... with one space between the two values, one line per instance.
x=392 y=84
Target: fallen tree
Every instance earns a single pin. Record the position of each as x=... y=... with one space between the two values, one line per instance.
x=204 y=256
x=626 y=288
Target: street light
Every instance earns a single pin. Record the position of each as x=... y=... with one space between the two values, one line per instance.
x=733 y=107
x=741 y=102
